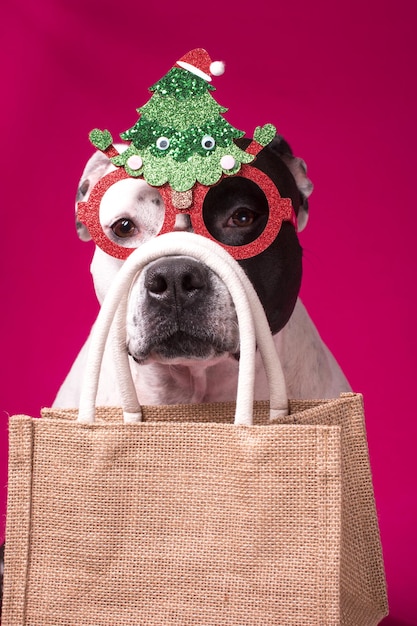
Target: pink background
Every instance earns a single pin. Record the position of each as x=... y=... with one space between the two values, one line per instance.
x=339 y=81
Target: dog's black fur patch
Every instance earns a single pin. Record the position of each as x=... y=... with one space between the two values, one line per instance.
x=275 y=273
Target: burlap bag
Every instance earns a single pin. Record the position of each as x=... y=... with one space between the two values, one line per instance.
x=189 y=518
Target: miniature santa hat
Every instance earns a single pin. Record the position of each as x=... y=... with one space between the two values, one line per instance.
x=198 y=62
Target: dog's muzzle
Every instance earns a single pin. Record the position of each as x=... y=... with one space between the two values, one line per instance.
x=180 y=309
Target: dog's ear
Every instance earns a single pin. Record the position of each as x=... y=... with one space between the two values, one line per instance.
x=96 y=167
x=298 y=169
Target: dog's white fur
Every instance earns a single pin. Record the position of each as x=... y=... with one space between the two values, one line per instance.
x=310 y=369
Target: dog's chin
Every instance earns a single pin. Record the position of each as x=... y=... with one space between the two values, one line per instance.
x=181 y=348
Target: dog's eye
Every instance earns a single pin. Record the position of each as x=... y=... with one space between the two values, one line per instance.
x=241 y=217
x=124 y=227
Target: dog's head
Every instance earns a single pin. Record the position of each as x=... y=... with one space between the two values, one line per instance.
x=178 y=309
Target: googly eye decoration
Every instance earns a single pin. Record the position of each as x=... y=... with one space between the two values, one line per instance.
x=208 y=142
x=162 y=143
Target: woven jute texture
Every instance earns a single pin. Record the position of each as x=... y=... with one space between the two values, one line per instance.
x=188 y=519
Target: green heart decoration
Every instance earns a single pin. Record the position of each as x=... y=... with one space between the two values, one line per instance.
x=101 y=139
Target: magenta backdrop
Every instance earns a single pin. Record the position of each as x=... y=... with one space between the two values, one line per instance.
x=338 y=80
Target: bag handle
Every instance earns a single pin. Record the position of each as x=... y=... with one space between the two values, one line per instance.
x=275 y=375
x=251 y=319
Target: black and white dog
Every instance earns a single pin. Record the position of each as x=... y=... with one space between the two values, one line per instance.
x=182 y=332
x=181 y=328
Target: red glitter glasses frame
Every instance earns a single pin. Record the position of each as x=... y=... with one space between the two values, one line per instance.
x=280 y=210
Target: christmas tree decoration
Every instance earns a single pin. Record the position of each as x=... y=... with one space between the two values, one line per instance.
x=183 y=145
x=181 y=136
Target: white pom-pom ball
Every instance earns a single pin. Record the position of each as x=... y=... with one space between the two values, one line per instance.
x=217 y=68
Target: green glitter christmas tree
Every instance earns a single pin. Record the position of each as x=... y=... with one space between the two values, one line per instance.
x=181 y=136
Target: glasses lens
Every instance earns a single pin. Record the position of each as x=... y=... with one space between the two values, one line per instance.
x=121 y=213
x=235 y=212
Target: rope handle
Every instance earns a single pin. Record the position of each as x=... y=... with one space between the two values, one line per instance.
x=253 y=327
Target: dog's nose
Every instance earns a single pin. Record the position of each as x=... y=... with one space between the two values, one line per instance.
x=177 y=281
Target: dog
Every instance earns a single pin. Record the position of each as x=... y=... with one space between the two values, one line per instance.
x=182 y=333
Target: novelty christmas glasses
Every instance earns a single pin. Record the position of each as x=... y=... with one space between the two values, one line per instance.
x=182 y=145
